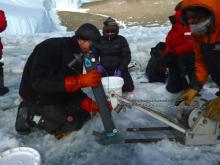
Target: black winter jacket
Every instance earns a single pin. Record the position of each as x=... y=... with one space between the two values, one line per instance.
x=43 y=76
x=114 y=54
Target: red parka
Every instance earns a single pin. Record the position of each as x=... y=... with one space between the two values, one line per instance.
x=178 y=40
x=3 y=25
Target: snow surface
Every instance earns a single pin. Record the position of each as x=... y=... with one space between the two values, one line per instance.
x=80 y=147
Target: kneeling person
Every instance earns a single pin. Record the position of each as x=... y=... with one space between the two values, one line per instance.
x=51 y=93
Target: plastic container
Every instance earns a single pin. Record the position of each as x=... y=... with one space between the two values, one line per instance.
x=20 y=156
x=110 y=84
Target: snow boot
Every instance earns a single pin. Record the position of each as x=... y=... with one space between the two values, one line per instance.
x=3 y=89
x=22 y=124
x=105 y=138
x=61 y=135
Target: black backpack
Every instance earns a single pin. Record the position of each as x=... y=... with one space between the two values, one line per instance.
x=155 y=71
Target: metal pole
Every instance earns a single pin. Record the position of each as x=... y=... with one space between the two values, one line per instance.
x=100 y=97
x=155 y=114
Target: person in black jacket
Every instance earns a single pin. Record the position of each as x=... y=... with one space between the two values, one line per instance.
x=114 y=54
x=51 y=84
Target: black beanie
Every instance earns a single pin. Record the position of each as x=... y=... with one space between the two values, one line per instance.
x=110 y=25
x=88 y=31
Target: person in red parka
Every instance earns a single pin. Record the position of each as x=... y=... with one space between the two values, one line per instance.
x=3 y=25
x=178 y=55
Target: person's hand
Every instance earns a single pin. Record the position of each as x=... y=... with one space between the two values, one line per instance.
x=167 y=58
x=90 y=79
x=101 y=69
x=90 y=106
x=213 y=109
x=187 y=96
x=118 y=73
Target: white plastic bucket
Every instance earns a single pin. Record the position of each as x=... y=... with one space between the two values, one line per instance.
x=115 y=84
x=20 y=156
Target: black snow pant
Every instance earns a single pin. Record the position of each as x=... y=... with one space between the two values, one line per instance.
x=1 y=75
x=180 y=73
x=3 y=89
x=53 y=118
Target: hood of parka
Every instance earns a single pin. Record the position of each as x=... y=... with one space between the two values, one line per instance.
x=213 y=6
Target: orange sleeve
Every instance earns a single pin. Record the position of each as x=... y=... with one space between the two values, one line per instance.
x=71 y=83
x=200 y=67
x=89 y=105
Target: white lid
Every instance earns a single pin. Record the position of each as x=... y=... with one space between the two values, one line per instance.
x=20 y=156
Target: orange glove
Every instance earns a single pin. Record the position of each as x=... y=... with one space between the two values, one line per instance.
x=90 y=106
x=90 y=79
x=187 y=96
x=213 y=109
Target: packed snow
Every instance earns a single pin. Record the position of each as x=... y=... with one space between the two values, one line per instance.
x=80 y=147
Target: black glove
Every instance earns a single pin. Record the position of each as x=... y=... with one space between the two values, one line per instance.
x=167 y=58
